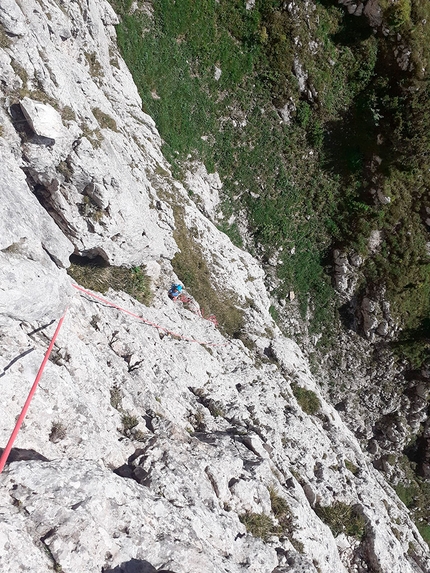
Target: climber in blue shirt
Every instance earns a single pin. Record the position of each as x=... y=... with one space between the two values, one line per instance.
x=175 y=291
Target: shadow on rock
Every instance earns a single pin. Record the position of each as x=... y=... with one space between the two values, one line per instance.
x=21 y=454
x=136 y=566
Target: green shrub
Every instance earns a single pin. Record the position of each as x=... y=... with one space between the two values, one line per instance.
x=99 y=277
x=258 y=524
x=342 y=518
x=128 y=423
x=351 y=467
x=307 y=399
x=398 y=14
x=116 y=398
x=104 y=120
x=192 y=269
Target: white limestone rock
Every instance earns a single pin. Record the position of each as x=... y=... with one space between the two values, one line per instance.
x=206 y=431
x=43 y=119
x=206 y=186
x=11 y=18
x=99 y=135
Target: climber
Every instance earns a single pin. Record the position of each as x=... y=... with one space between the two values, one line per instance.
x=175 y=291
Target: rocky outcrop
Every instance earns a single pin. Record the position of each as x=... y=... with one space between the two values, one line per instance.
x=182 y=452
x=86 y=159
x=345 y=272
x=368 y=8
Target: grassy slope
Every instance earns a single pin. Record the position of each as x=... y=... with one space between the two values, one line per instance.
x=305 y=185
x=282 y=174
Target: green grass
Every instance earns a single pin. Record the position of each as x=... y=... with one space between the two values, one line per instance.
x=104 y=120
x=5 y=40
x=100 y=278
x=258 y=524
x=424 y=531
x=342 y=518
x=307 y=399
x=414 y=491
x=194 y=272
x=129 y=421
x=351 y=467
x=173 y=64
x=305 y=185
x=263 y=526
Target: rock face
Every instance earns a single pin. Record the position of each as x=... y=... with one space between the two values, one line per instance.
x=186 y=453
x=369 y=8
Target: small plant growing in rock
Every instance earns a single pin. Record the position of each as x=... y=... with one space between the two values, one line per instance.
x=113 y=58
x=342 y=518
x=104 y=120
x=279 y=506
x=67 y=113
x=65 y=169
x=128 y=423
x=197 y=420
x=216 y=409
x=5 y=41
x=57 y=433
x=307 y=399
x=13 y=248
x=257 y=524
x=282 y=512
x=351 y=467
x=115 y=398
x=20 y=72
x=94 y=65
x=139 y=436
x=95 y=136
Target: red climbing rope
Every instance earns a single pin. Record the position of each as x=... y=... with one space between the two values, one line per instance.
x=162 y=328
x=6 y=451
x=18 y=424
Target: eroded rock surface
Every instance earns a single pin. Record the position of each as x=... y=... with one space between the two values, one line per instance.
x=160 y=451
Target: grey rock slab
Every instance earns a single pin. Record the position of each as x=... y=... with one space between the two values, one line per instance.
x=42 y=118
x=21 y=215
x=91 y=518
x=208 y=431
x=11 y=18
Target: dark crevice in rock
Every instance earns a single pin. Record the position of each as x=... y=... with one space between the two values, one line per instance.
x=12 y=362
x=47 y=549
x=44 y=195
x=36 y=330
x=53 y=258
x=133 y=469
x=136 y=566
x=20 y=123
x=21 y=454
x=24 y=129
x=92 y=258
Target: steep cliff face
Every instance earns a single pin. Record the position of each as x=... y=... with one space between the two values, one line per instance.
x=147 y=450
